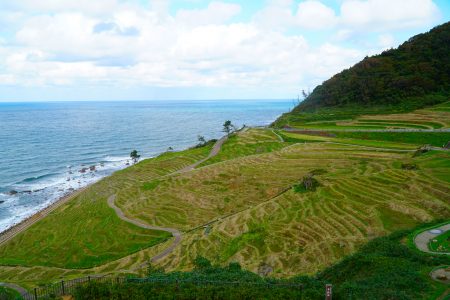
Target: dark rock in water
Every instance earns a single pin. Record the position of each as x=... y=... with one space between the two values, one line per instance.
x=71 y=189
x=92 y=168
x=27 y=192
x=83 y=170
x=13 y=192
x=1 y=201
x=102 y=165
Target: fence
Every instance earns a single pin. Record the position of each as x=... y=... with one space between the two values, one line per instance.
x=69 y=287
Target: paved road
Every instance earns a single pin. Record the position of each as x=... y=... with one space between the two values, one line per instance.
x=422 y=239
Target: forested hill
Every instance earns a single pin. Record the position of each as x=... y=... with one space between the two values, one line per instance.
x=414 y=75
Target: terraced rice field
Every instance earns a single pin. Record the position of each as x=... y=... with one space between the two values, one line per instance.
x=240 y=206
x=436 y=117
x=85 y=232
x=364 y=194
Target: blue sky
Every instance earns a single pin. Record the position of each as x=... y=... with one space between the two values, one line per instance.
x=57 y=50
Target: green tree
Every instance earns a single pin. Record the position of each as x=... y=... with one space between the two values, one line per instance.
x=134 y=156
x=201 y=139
x=228 y=127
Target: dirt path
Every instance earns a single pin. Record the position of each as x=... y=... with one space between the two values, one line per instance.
x=422 y=239
x=15 y=230
x=175 y=232
x=279 y=136
x=214 y=151
x=23 y=292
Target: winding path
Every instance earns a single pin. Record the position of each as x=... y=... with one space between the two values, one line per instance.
x=423 y=239
x=6 y=236
x=175 y=232
x=214 y=151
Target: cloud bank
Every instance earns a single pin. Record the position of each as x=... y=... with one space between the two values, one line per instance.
x=275 y=50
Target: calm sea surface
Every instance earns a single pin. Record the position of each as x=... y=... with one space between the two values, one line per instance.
x=44 y=145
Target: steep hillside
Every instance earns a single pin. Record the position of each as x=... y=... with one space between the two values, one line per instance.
x=414 y=75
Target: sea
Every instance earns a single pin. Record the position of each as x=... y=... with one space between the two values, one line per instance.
x=44 y=146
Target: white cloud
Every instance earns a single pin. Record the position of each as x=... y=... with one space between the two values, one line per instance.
x=387 y=14
x=315 y=15
x=215 y=13
x=110 y=42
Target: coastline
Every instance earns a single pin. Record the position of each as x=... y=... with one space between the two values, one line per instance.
x=15 y=229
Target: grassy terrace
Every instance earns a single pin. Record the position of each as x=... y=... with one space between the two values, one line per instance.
x=436 y=117
x=363 y=194
x=245 y=195
x=85 y=232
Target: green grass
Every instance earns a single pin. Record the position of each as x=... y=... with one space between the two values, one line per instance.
x=254 y=141
x=254 y=237
x=384 y=268
x=302 y=138
x=82 y=234
x=148 y=186
x=437 y=139
x=9 y=294
x=368 y=118
x=86 y=232
x=441 y=243
x=363 y=194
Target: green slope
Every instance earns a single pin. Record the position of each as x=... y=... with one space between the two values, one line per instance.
x=415 y=75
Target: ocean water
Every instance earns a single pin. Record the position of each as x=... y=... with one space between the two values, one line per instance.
x=43 y=146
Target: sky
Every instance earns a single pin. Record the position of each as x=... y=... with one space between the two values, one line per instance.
x=59 y=50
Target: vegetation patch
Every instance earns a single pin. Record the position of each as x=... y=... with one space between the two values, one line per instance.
x=441 y=243
x=437 y=139
x=148 y=186
x=409 y=166
x=382 y=269
x=254 y=237
x=308 y=184
x=9 y=294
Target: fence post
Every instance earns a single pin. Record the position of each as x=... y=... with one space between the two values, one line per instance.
x=35 y=294
x=328 y=291
x=62 y=286
x=89 y=278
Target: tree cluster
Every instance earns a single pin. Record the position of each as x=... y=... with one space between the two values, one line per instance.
x=414 y=75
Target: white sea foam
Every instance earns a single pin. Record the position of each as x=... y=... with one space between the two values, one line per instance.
x=36 y=195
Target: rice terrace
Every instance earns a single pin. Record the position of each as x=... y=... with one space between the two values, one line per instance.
x=348 y=192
